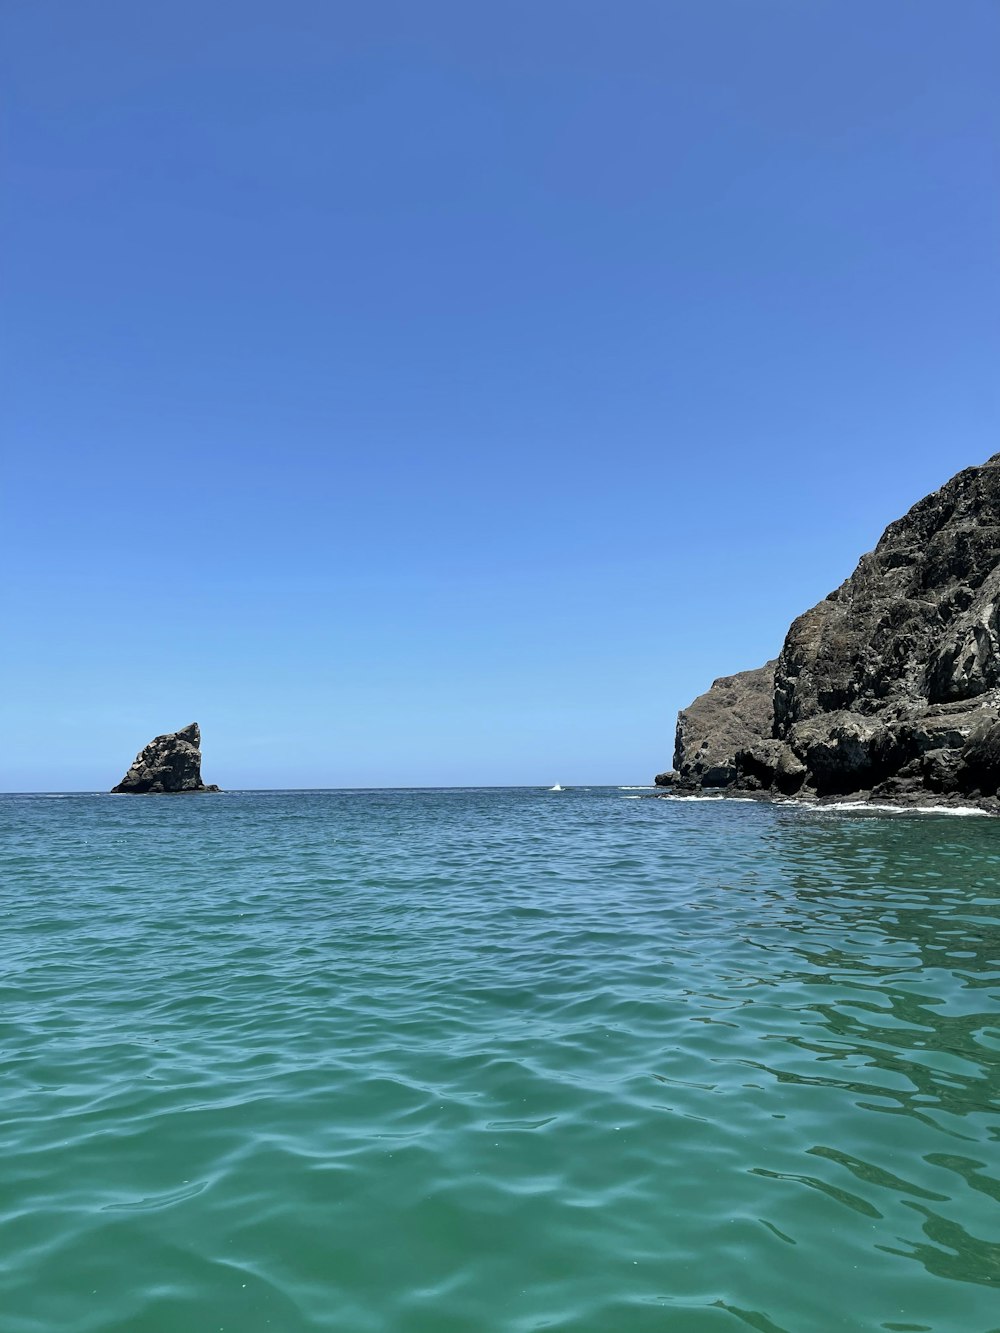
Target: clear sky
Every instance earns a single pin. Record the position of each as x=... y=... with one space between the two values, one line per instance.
x=444 y=393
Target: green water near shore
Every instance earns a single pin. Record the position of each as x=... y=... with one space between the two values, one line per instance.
x=496 y=1060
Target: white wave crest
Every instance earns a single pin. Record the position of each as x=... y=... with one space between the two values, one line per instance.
x=883 y=808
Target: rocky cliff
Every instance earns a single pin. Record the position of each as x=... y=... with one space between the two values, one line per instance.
x=170 y=763
x=889 y=688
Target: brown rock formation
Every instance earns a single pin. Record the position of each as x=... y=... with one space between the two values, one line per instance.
x=890 y=687
x=170 y=763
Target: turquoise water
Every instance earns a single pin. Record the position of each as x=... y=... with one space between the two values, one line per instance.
x=496 y=1060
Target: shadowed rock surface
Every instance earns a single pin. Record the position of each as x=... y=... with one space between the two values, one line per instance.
x=889 y=688
x=170 y=763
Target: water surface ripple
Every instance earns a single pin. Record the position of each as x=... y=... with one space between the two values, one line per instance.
x=430 y=1062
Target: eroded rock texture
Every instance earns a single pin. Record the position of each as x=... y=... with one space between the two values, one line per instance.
x=170 y=763
x=889 y=687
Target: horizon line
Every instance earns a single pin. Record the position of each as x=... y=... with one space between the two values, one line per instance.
x=227 y=791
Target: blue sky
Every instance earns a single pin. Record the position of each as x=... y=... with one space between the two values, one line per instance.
x=446 y=393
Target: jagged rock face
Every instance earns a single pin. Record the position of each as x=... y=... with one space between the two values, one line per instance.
x=891 y=685
x=170 y=763
x=734 y=713
x=916 y=622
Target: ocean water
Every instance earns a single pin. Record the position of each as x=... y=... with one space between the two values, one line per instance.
x=496 y=1060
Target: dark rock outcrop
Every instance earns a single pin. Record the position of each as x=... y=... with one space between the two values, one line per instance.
x=721 y=724
x=170 y=763
x=889 y=688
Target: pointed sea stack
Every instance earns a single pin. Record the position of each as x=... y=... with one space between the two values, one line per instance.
x=889 y=689
x=170 y=763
